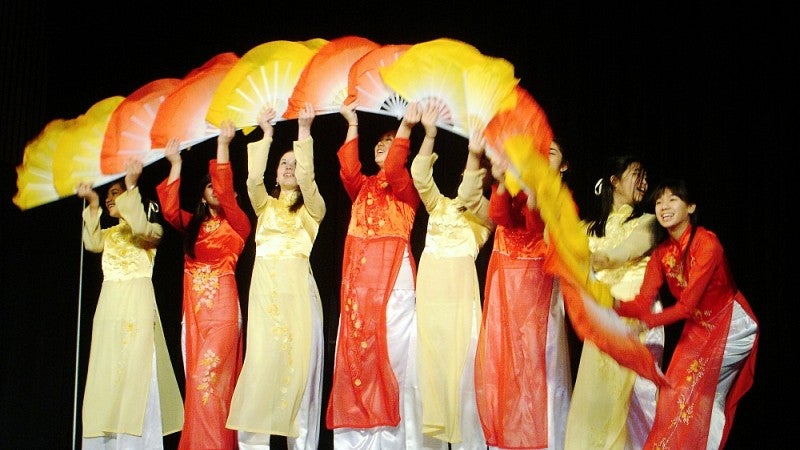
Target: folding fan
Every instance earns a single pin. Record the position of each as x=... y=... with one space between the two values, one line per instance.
x=76 y=157
x=35 y=174
x=128 y=134
x=521 y=124
x=436 y=69
x=487 y=85
x=265 y=75
x=365 y=85
x=182 y=115
x=324 y=81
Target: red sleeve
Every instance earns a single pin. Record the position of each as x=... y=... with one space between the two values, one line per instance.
x=350 y=168
x=170 y=199
x=222 y=180
x=705 y=255
x=500 y=207
x=640 y=306
x=397 y=174
x=533 y=218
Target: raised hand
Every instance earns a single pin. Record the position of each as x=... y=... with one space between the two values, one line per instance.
x=133 y=170
x=430 y=116
x=304 y=119
x=85 y=191
x=412 y=115
x=172 y=151
x=227 y=131
x=477 y=143
x=349 y=113
x=265 y=118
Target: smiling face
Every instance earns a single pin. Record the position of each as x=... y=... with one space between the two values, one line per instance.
x=382 y=148
x=673 y=213
x=631 y=187
x=209 y=196
x=114 y=191
x=285 y=173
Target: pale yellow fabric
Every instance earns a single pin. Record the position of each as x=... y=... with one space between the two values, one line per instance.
x=279 y=334
x=599 y=409
x=448 y=298
x=127 y=328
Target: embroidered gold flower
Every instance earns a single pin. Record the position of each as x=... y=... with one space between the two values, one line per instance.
x=205 y=283
x=208 y=380
x=211 y=225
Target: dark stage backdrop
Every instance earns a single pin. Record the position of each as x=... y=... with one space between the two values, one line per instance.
x=696 y=95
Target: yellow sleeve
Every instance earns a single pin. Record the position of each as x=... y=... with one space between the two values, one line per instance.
x=422 y=174
x=92 y=234
x=146 y=234
x=257 y=153
x=312 y=199
x=638 y=244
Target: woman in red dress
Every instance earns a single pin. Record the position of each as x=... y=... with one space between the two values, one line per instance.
x=214 y=237
x=713 y=363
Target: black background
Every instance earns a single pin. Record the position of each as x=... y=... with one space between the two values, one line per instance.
x=701 y=92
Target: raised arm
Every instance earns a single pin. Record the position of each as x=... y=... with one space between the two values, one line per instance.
x=471 y=188
x=92 y=235
x=349 y=114
x=304 y=154
x=257 y=153
x=222 y=180
x=168 y=191
x=146 y=234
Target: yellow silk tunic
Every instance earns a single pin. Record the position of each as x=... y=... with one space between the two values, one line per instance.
x=598 y=412
x=278 y=352
x=127 y=328
x=448 y=298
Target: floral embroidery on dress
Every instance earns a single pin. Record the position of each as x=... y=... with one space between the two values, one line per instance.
x=129 y=330
x=686 y=402
x=352 y=319
x=211 y=225
x=209 y=362
x=674 y=267
x=205 y=283
x=283 y=336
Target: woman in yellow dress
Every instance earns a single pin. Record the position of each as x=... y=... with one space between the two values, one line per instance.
x=132 y=397
x=280 y=388
x=612 y=407
x=448 y=293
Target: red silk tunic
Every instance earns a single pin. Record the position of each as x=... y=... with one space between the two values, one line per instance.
x=365 y=392
x=211 y=312
x=510 y=366
x=705 y=293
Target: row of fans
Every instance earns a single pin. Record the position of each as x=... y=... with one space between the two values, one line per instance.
x=479 y=92
x=285 y=75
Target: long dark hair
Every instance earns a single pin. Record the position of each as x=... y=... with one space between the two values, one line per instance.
x=615 y=167
x=201 y=213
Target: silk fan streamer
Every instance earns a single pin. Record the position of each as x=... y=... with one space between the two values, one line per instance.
x=365 y=85
x=76 y=157
x=128 y=133
x=324 y=81
x=518 y=116
x=182 y=115
x=264 y=76
x=35 y=175
x=487 y=86
x=587 y=301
